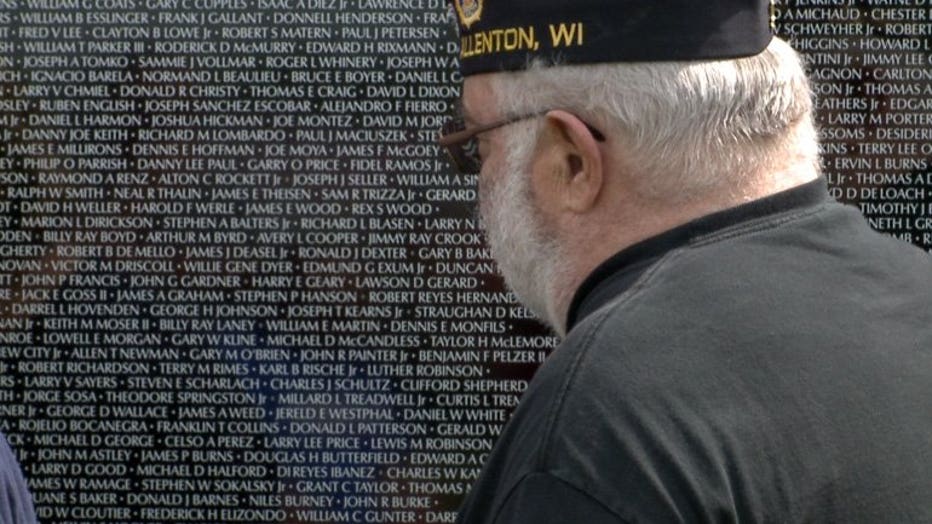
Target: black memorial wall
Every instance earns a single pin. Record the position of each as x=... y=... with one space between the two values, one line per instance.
x=239 y=282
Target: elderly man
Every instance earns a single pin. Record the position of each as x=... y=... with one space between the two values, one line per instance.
x=738 y=347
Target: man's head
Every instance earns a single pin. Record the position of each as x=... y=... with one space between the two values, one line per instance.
x=617 y=152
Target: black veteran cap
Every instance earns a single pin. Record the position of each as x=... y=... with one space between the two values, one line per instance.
x=498 y=35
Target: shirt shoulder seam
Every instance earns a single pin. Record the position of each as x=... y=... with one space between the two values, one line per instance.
x=555 y=412
x=755 y=226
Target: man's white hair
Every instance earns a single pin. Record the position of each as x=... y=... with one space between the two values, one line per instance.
x=528 y=256
x=684 y=129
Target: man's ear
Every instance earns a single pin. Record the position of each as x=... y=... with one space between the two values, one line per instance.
x=574 y=161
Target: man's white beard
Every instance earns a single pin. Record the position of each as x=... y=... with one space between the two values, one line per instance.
x=527 y=256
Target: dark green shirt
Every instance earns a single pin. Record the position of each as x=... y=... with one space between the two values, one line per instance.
x=768 y=363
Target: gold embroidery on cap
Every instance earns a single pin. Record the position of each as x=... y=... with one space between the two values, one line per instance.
x=469 y=11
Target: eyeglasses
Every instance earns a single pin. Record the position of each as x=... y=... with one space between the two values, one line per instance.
x=463 y=148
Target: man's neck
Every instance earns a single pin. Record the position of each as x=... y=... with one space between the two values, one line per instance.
x=603 y=235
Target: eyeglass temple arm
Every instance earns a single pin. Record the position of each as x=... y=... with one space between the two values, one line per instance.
x=457 y=137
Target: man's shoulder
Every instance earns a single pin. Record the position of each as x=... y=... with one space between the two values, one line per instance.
x=555 y=442
x=580 y=420
x=729 y=363
x=786 y=290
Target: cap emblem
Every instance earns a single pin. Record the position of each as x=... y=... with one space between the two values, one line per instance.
x=469 y=11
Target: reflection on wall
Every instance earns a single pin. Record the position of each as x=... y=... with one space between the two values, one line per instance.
x=239 y=283
x=871 y=66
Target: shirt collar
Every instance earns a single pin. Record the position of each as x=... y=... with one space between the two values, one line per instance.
x=620 y=271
